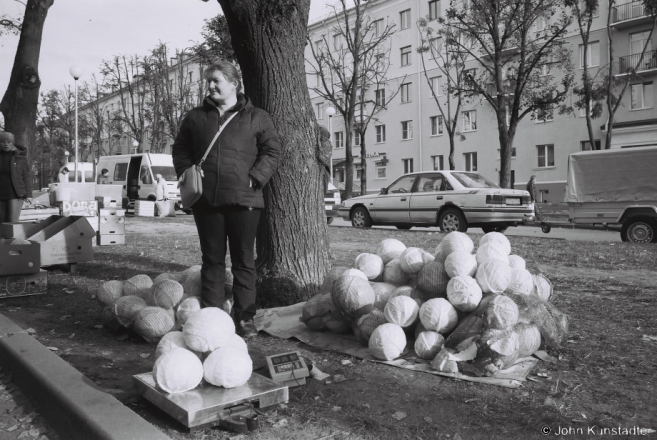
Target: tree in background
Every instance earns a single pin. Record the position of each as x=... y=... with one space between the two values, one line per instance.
x=444 y=56
x=347 y=68
x=124 y=74
x=20 y=101
x=512 y=45
x=216 y=43
x=292 y=242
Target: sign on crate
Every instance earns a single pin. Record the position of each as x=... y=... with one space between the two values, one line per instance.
x=23 y=285
x=85 y=208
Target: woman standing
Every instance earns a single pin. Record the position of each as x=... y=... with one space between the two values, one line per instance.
x=14 y=179
x=238 y=166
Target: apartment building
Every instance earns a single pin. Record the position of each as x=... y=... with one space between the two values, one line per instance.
x=185 y=77
x=409 y=135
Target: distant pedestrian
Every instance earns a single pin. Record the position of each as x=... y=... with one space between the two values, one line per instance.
x=103 y=179
x=531 y=188
x=14 y=179
x=161 y=196
x=62 y=177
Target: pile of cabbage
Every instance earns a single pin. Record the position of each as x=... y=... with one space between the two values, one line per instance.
x=480 y=307
x=154 y=307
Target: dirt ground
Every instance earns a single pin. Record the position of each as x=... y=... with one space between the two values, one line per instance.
x=589 y=384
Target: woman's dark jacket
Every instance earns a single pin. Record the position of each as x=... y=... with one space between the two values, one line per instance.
x=19 y=174
x=248 y=147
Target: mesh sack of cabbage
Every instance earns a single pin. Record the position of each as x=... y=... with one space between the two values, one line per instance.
x=552 y=323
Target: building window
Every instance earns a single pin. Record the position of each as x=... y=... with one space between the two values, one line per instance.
x=380 y=97
x=545 y=156
x=339 y=174
x=356 y=138
x=469 y=120
x=406 y=93
x=586 y=145
x=408 y=165
x=380 y=169
x=318 y=79
x=337 y=42
x=641 y=96
x=405 y=19
x=320 y=110
x=406 y=56
x=436 y=86
x=380 y=133
x=437 y=162
x=436 y=125
x=434 y=9
x=470 y=161
x=638 y=41
x=359 y=173
x=319 y=45
x=592 y=55
x=544 y=115
x=338 y=136
x=407 y=130
x=469 y=76
x=377 y=27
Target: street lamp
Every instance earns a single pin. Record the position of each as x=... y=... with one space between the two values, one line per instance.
x=135 y=144
x=330 y=111
x=76 y=73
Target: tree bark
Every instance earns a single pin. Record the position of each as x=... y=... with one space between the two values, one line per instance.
x=292 y=242
x=19 y=103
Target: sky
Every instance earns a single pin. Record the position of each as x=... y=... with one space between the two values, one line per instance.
x=86 y=32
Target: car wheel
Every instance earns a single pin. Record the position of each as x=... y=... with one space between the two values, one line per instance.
x=546 y=228
x=329 y=220
x=639 y=230
x=360 y=218
x=404 y=227
x=452 y=220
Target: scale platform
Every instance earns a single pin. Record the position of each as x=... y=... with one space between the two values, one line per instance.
x=208 y=405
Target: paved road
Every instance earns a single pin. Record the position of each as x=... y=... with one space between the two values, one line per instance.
x=525 y=231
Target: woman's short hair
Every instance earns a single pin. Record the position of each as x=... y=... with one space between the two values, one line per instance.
x=226 y=69
x=64 y=170
x=104 y=170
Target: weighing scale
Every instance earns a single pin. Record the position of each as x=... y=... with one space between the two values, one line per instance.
x=288 y=369
x=208 y=405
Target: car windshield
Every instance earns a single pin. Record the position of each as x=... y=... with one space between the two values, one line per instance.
x=169 y=173
x=473 y=180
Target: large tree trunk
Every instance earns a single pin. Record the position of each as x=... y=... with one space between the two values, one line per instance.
x=19 y=103
x=363 y=165
x=292 y=243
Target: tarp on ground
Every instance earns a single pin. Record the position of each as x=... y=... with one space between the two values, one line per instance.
x=618 y=175
x=284 y=323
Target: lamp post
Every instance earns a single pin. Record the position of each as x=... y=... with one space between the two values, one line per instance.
x=135 y=144
x=76 y=73
x=330 y=111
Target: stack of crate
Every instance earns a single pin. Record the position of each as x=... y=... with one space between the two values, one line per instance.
x=111 y=228
x=144 y=208
x=20 y=265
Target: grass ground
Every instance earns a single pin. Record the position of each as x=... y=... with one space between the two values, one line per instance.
x=604 y=375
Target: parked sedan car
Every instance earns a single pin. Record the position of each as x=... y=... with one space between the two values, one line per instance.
x=453 y=200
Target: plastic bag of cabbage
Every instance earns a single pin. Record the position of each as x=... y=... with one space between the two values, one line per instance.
x=465 y=303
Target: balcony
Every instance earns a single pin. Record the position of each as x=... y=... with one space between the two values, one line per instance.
x=629 y=14
x=644 y=65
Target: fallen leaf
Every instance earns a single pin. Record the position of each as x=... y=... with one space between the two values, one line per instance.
x=12 y=428
x=53 y=348
x=144 y=355
x=64 y=317
x=339 y=378
x=72 y=336
x=98 y=326
x=345 y=362
x=283 y=406
x=33 y=432
x=648 y=338
x=399 y=415
x=336 y=408
x=366 y=405
x=428 y=419
x=280 y=423
x=30 y=331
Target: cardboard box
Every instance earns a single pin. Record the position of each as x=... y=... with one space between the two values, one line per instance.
x=112 y=239
x=115 y=192
x=94 y=222
x=107 y=212
x=111 y=219
x=112 y=229
x=66 y=251
x=60 y=192
x=25 y=229
x=64 y=228
x=13 y=286
x=17 y=259
x=84 y=208
x=106 y=202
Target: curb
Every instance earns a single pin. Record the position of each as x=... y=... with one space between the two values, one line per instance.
x=72 y=404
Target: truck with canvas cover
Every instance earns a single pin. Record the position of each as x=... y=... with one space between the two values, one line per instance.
x=136 y=172
x=617 y=189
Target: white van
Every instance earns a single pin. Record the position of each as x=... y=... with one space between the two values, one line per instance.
x=136 y=172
